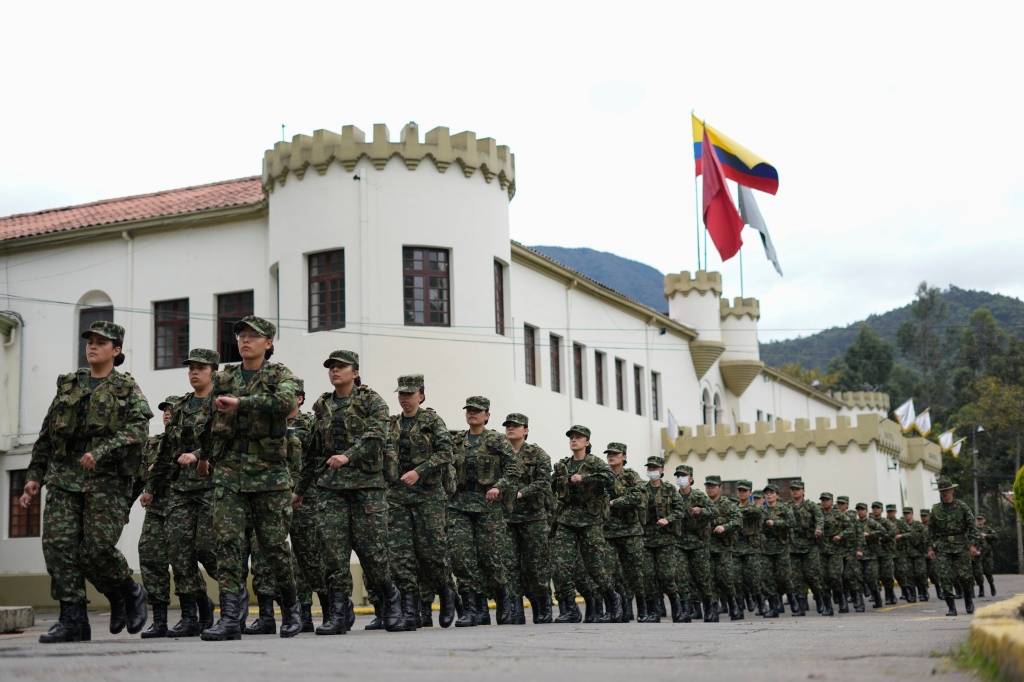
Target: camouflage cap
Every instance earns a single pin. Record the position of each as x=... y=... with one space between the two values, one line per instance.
x=758 y=494
x=945 y=483
x=796 y=485
x=518 y=419
x=259 y=325
x=169 y=401
x=862 y=505
x=713 y=479
x=407 y=383
x=655 y=461
x=771 y=487
x=744 y=485
x=477 y=402
x=878 y=504
x=890 y=507
x=908 y=510
x=926 y=512
x=345 y=357
x=203 y=356
x=684 y=469
x=114 y=332
x=616 y=447
x=300 y=386
x=843 y=499
x=825 y=496
x=580 y=429
x=979 y=516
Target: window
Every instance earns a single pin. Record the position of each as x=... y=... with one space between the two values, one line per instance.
x=718 y=409
x=230 y=309
x=599 y=376
x=638 y=389
x=729 y=488
x=499 y=298
x=760 y=415
x=577 y=369
x=770 y=419
x=556 y=363
x=655 y=408
x=620 y=389
x=785 y=494
x=530 y=346
x=23 y=523
x=425 y=281
x=171 y=333
x=86 y=317
x=327 y=290
x=707 y=409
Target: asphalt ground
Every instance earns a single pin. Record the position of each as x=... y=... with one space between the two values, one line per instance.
x=906 y=641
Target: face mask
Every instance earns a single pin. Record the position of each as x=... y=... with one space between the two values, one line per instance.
x=682 y=481
x=654 y=475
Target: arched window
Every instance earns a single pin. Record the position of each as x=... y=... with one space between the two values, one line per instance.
x=718 y=408
x=707 y=407
x=92 y=307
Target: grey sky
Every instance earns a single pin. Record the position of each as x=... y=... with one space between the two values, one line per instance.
x=895 y=127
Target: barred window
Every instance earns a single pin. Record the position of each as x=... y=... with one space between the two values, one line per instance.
x=327 y=290
x=655 y=408
x=638 y=389
x=620 y=389
x=171 y=320
x=425 y=275
x=499 y=298
x=556 y=363
x=599 y=376
x=577 y=364
x=230 y=309
x=22 y=523
x=530 y=357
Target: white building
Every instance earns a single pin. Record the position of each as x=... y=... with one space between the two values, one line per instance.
x=401 y=252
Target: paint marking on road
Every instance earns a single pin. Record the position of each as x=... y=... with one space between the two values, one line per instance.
x=893 y=608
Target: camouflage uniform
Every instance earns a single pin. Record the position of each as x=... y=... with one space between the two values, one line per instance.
x=720 y=546
x=661 y=543
x=885 y=553
x=928 y=562
x=915 y=539
x=776 y=547
x=983 y=565
x=952 y=532
x=695 y=574
x=305 y=535
x=836 y=536
x=868 y=546
x=901 y=565
x=852 y=579
x=528 y=522
x=154 y=561
x=803 y=550
x=747 y=549
x=625 y=535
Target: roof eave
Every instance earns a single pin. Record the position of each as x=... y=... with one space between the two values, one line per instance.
x=801 y=387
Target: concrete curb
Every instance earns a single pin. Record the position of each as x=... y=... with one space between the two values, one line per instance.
x=14 y=618
x=997 y=631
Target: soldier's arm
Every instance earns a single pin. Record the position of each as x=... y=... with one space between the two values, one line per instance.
x=635 y=496
x=376 y=433
x=310 y=457
x=42 y=450
x=732 y=517
x=162 y=464
x=281 y=401
x=601 y=477
x=541 y=486
x=676 y=507
x=511 y=469
x=442 y=454
x=973 y=534
x=819 y=518
x=134 y=431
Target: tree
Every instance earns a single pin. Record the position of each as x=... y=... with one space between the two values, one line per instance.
x=921 y=339
x=870 y=357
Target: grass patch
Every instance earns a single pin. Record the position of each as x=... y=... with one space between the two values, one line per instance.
x=966 y=657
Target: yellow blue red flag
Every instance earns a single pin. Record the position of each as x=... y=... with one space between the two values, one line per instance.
x=739 y=163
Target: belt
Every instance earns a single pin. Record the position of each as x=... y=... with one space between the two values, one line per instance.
x=954 y=538
x=245 y=446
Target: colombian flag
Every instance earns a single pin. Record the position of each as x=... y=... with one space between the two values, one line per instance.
x=739 y=163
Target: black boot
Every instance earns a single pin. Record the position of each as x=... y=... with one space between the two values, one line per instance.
x=773 y=607
x=818 y=603
x=641 y=610
x=590 y=608
x=291 y=613
x=735 y=609
x=802 y=601
x=410 y=613
x=903 y=594
x=968 y=602
x=337 y=606
x=243 y=607
x=189 y=625
x=782 y=603
x=68 y=627
x=614 y=603
x=661 y=608
x=600 y=616
x=890 y=596
x=922 y=592
x=228 y=627
x=306 y=617
x=858 y=602
x=505 y=612
x=796 y=608
x=134 y=596
x=652 y=611
x=83 y=622
x=469 y=604
x=722 y=606
x=377 y=623
x=938 y=592
x=679 y=613
x=826 y=604
x=158 y=628
x=981 y=588
x=951 y=603
x=696 y=613
x=627 y=609
x=391 y=607
x=350 y=615
x=958 y=592
x=749 y=603
x=761 y=603
x=992 y=586
x=446 y=614
x=710 y=613
x=568 y=612
x=840 y=597
x=325 y=607
x=118 y=616
x=426 y=614
x=542 y=609
x=483 y=610
x=911 y=595
x=876 y=599
x=265 y=624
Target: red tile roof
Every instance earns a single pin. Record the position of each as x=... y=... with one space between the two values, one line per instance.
x=111 y=211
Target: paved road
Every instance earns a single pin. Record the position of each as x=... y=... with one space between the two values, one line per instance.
x=901 y=642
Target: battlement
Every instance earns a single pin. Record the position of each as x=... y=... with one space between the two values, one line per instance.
x=325 y=147
x=702 y=282
x=740 y=307
x=865 y=400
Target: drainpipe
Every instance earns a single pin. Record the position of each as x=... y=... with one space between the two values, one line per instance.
x=365 y=265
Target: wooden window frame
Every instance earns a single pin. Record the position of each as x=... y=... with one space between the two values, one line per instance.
x=555 y=343
x=434 y=280
x=530 y=354
x=599 y=360
x=655 y=396
x=620 y=384
x=577 y=366
x=175 y=319
x=226 y=343
x=22 y=523
x=499 y=298
x=329 y=286
x=638 y=390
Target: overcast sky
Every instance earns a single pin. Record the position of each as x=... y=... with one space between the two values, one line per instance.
x=895 y=127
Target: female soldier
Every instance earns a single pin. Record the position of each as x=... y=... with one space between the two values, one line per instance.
x=89 y=448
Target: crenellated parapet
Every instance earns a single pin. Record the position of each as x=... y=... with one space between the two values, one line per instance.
x=740 y=307
x=863 y=400
x=325 y=147
x=702 y=282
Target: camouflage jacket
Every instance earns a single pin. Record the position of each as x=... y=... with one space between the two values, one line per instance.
x=808 y=518
x=868 y=544
x=836 y=524
x=151 y=454
x=250 y=445
x=748 y=536
x=989 y=540
x=491 y=463
x=356 y=427
x=952 y=528
x=426 y=447
x=886 y=546
x=696 y=527
x=584 y=503
x=777 y=535
x=187 y=431
x=111 y=422
x=535 y=485
x=627 y=506
x=727 y=515
x=918 y=543
x=905 y=539
x=663 y=502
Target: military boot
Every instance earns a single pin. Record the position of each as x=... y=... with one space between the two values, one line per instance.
x=762 y=604
x=469 y=604
x=695 y=611
x=903 y=594
x=804 y=606
x=749 y=603
x=773 y=607
x=67 y=628
x=134 y=596
x=710 y=612
x=992 y=586
x=600 y=616
x=840 y=598
x=446 y=613
x=205 y=607
x=83 y=622
x=568 y=612
x=796 y=608
x=613 y=600
x=188 y=625
x=335 y=608
x=782 y=603
x=228 y=627
x=922 y=592
x=627 y=609
x=968 y=602
x=890 y=596
x=118 y=616
x=325 y=606
x=736 y=609
x=958 y=591
x=723 y=605
x=391 y=607
x=426 y=614
x=826 y=604
x=661 y=608
x=542 y=609
x=505 y=613
x=589 y=608
x=483 y=610
x=911 y=595
x=858 y=602
x=641 y=610
x=243 y=606
x=679 y=613
x=158 y=628
x=951 y=603
x=291 y=613
x=981 y=588
x=306 y=617
x=265 y=624
x=818 y=603
x=410 y=613
x=378 y=622
x=876 y=599
x=653 y=616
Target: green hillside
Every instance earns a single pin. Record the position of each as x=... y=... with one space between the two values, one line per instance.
x=638 y=281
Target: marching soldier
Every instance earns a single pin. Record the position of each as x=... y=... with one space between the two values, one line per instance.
x=803 y=553
x=954 y=540
x=987 y=559
x=901 y=562
x=624 y=532
x=837 y=535
x=872 y=532
x=778 y=524
x=926 y=515
x=853 y=580
x=663 y=518
x=886 y=551
x=747 y=549
x=695 y=557
x=916 y=538
x=724 y=525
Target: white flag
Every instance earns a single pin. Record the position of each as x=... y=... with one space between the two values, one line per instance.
x=751 y=215
x=905 y=415
x=923 y=423
x=672 y=428
x=946 y=440
x=956 y=447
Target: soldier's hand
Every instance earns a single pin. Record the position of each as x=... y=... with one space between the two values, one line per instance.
x=696 y=510
x=337 y=461
x=576 y=478
x=31 y=489
x=866 y=534
x=719 y=530
x=296 y=501
x=87 y=461
x=25 y=500
x=817 y=533
x=899 y=536
x=662 y=522
x=203 y=467
x=519 y=496
x=974 y=551
x=492 y=494
x=837 y=538
x=410 y=477
x=770 y=523
x=145 y=499
x=931 y=554
x=226 y=403
x=860 y=553
x=187 y=459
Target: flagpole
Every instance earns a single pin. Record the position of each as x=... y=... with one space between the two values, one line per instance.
x=696 y=218
x=741 y=271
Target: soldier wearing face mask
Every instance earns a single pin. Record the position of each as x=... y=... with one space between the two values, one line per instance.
x=661 y=536
x=695 y=562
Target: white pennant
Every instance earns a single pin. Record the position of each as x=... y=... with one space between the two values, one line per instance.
x=956 y=447
x=923 y=423
x=905 y=415
x=946 y=440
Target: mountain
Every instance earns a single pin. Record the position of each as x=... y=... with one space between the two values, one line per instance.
x=638 y=281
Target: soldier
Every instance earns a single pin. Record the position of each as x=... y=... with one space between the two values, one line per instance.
x=88 y=450
x=663 y=519
x=886 y=551
x=695 y=557
x=853 y=579
x=872 y=532
x=803 y=552
x=767 y=579
x=417 y=501
x=189 y=497
x=724 y=526
x=747 y=550
x=488 y=474
x=582 y=486
x=625 y=534
x=778 y=524
x=926 y=515
x=987 y=558
x=954 y=540
x=528 y=523
x=252 y=401
x=837 y=535
x=901 y=564
x=915 y=538
x=153 y=556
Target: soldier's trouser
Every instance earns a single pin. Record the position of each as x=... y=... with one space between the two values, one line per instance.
x=976 y=570
x=264 y=583
x=589 y=542
x=954 y=568
x=919 y=571
x=613 y=568
x=723 y=566
x=581 y=579
x=750 y=576
x=271 y=513
x=354 y=520
x=80 y=531
x=853 y=578
x=901 y=570
x=886 y=570
x=869 y=572
x=417 y=544
x=191 y=539
x=531 y=557
x=778 y=573
x=154 y=558
x=806 y=568
x=306 y=548
x=629 y=555
x=478 y=546
x=988 y=563
x=695 y=575
x=832 y=571
x=932 y=574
